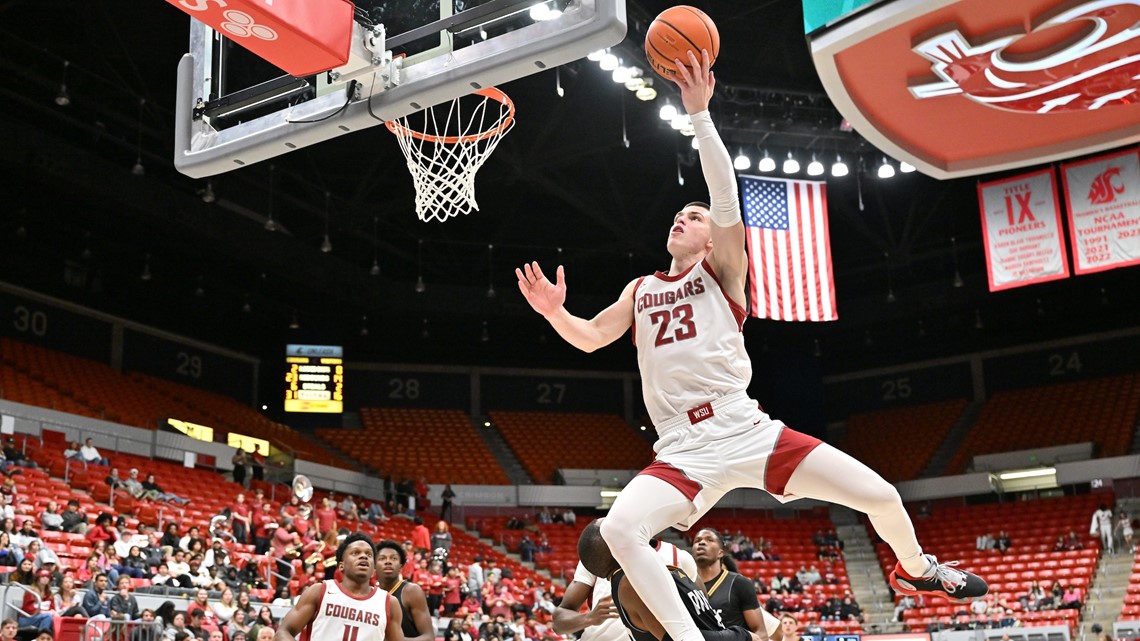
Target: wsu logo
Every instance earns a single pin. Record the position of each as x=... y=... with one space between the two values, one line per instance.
x=1098 y=67
x=1103 y=190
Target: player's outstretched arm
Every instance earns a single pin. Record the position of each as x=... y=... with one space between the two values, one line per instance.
x=416 y=603
x=727 y=259
x=567 y=618
x=301 y=615
x=547 y=298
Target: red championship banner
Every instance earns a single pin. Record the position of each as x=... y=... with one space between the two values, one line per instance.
x=1021 y=229
x=1103 y=196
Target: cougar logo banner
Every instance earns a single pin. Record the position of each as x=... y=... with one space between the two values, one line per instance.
x=1103 y=197
x=1021 y=227
x=962 y=87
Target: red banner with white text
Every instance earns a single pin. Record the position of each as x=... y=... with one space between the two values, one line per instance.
x=1103 y=201
x=1021 y=229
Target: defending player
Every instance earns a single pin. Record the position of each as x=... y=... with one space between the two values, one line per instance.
x=349 y=610
x=695 y=372
x=731 y=594
x=601 y=622
x=638 y=618
x=390 y=559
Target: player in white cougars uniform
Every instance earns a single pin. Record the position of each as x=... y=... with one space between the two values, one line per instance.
x=712 y=437
x=601 y=622
x=349 y=610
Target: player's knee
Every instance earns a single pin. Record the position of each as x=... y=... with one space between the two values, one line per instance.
x=883 y=498
x=619 y=531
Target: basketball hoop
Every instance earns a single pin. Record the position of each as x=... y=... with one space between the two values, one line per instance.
x=445 y=152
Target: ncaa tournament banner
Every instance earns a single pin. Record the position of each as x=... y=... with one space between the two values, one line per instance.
x=1103 y=197
x=1021 y=230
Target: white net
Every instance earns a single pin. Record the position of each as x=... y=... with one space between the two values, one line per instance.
x=445 y=146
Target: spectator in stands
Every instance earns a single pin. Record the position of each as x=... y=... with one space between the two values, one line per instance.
x=779 y=583
x=1124 y=529
x=475 y=579
x=494 y=573
x=285 y=546
x=38 y=603
x=216 y=555
x=1102 y=526
x=1074 y=542
x=374 y=512
x=104 y=562
x=441 y=539
x=347 y=509
x=6 y=509
x=239 y=460
x=104 y=529
x=9 y=488
x=225 y=607
x=1035 y=598
x=9 y=556
x=264 y=621
x=72 y=451
x=175 y=622
x=446 y=498
x=265 y=634
x=261 y=530
x=123 y=605
x=192 y=535
x=25 y=572
x=195 y=627
x=8 y=630
x=240 y=518
x=16 y=456
x=90 y=455
x=904 y=604
x=1070 y=598
x=152 y=552
x=237 y=624
x=1002 y=542
x=26 y=534
x=47 y=559
x=201 y=603
x=421 y=538
x=200 y=575
x=325 y=516
x=985 y=542
x=134 y=565
x=170 y=539
x=1008 y=620
x=569 y=517
x=527 y=548
x=456 y=631
x=97 y=602
x=154 y=492
x=115 y=481
x=1099 y=634
x=133 y=485
x=68 y=601
x=245 y=604
x=149 y=630
x=51 y=519
x=1059 y=544
x=180 y=570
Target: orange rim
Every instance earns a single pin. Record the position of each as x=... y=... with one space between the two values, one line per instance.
x=494 y=93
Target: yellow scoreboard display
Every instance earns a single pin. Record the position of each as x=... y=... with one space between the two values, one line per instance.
x=314 y=379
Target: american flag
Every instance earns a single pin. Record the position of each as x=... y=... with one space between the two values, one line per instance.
x=789 y=249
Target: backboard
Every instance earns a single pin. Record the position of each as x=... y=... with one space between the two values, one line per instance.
x=234 y=110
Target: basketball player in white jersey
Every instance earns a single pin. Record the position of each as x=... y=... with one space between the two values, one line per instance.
x=695 y=372
x=348 y=610
x=601 y=622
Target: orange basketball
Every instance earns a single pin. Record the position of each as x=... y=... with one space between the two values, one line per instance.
x=677 y=31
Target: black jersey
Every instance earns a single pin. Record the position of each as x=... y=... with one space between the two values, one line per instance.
x=407 y=623
x=730 y=595
x=694 y=599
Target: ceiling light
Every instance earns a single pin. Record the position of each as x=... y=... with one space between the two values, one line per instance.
x=540 y=12
x=906 y=168
x=208 y=195
x=138 y=169
x=375 y=269
x=63 y=98
x=680 y=121
x=646 y=93
x=246 y=307
x=1027 y=474
x=791 y=165
x=486 y=335
x=364 y=326
x=978 y=322
x=146 y=269
x=610 y=494
x=424 y=333
x=326 y=245
x=595 y=56
x=767 y=163
x=668 y=112
x=741 y=162
x=815 y=167
x=294 y=324
x=420 y=286
x=886 y=170
x=609 y=62
x=839 y=169
x=621 y=74
x=635 y=82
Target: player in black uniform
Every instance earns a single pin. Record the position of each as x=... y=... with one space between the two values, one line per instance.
x=733 y=595
x=643 y=626
x=416 y=624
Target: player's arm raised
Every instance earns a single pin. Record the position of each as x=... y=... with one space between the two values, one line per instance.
x=567 y=618
x=548 y=298
x=301 y=615
x=727 y=259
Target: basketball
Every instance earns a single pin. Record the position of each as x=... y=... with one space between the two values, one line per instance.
x=675 y=32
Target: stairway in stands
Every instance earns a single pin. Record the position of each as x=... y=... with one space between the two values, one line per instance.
x=867 y=583
x=941 y=459
x=503 y=455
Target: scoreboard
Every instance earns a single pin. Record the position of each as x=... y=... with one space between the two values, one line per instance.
x=314 y=379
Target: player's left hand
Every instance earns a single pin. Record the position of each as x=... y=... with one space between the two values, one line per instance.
x=696 y=81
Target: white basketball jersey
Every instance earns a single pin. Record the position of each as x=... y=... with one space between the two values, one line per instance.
x=689 y=345
x=614 y=629
x=343 y=617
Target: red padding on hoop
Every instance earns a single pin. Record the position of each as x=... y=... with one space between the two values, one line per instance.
x=301 y=38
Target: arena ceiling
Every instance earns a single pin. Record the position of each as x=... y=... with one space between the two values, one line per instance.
x=562 y=186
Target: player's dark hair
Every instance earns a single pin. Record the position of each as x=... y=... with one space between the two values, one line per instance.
x=593 y=551
x=698 y=203
x=349 y=540
x=389 y=544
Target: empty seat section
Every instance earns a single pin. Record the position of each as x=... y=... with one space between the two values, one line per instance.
x=899 y=443
x=547 y=441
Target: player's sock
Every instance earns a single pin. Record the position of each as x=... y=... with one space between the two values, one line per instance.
x=645 y=507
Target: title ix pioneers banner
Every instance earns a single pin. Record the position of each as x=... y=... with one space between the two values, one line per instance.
x=1103 y=196
x=1021 y=228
